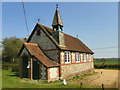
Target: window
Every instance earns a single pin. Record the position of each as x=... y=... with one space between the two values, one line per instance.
x=90 y=57
x=77 y=57
x=38 y=32
x=85 y=57
x=67 y=57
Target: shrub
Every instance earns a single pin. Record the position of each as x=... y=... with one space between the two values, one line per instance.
x=6 y=65
x=117 y=66
x=14 y=66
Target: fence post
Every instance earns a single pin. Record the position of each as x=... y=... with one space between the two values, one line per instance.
x=101 y=71
x=80 y=85
x=102 y=86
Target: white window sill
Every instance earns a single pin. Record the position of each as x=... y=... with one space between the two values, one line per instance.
x=67 y=62
x=77 y=61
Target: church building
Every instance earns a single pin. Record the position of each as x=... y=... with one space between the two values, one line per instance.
x=50 y=54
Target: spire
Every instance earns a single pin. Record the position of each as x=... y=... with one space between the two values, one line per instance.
x=57 y=21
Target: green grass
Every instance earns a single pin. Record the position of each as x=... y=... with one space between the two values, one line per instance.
x=107 y=63
x=10 y=80
x=110 y=64
x=109 y=68
x=85 y=75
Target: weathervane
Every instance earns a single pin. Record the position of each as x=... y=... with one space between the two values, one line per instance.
x=77 y=36
x=56 y=5
x=38 y=20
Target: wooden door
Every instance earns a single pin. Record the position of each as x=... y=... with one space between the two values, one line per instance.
x=36 y=70
x=24 y=66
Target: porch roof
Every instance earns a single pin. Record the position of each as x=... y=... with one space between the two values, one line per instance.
x=37 y=52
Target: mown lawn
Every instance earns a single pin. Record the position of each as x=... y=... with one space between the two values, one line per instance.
x=10 y=80
x=107 y=63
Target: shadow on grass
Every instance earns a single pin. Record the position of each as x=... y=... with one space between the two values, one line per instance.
x=14 y=75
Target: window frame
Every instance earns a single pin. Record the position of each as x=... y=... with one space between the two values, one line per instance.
x=90 y=57
x=77 y=56
x=84 y=57
x=67 y=57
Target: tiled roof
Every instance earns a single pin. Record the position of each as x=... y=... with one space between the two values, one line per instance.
x=71 y=43
x=35 y=51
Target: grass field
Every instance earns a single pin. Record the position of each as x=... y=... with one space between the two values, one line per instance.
x=106 y=63
x=10 y=80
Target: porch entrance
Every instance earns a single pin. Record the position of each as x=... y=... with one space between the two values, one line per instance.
x=39 y=71
x=24 y=66
x=36 y=70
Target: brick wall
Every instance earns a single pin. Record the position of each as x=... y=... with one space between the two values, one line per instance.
x=53 y=74
x=74 y=68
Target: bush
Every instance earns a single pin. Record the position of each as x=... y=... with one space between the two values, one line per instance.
x=5 y=66
x=107 y=66
x=13 y=66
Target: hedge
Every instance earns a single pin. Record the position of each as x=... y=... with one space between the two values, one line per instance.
x=13 y=66
x=107 y=66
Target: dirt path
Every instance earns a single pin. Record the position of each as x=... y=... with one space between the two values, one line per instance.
x=108 y=77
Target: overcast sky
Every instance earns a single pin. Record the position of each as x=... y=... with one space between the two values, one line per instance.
x=96 y=23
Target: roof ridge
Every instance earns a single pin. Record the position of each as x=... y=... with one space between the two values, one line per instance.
x=44 y=26
x=27 y=43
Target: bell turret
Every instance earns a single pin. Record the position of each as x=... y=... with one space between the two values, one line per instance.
x=57 y=21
